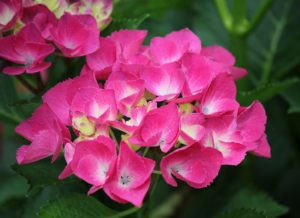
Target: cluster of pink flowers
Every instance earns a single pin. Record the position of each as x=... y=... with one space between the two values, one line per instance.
x=173 y=102
x=38 y=29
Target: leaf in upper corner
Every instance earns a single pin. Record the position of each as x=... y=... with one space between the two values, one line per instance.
x=124 y=23
x=255 y=200
x=42 y=173
x=75 y=205
x=242 y=213
x=266 y=92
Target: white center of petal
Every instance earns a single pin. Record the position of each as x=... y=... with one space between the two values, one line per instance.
x=125 y=180
x=6 y=14
x=103 y=168
x=191 y=130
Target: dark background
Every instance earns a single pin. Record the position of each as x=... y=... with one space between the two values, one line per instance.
x=256 y=188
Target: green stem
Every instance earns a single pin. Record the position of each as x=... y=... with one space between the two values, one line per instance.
x=238 y=47
x=112 y=134
x=156 y=172
x=154 y=185
x=224 y=13
x=39 y=81
x=259 y=14
x=146 y=151
x=239 y=13
x=26 y=84
x=267 y=67
x=125 y=213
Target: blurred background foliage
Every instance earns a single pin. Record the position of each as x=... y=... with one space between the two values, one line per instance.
x=264 y=36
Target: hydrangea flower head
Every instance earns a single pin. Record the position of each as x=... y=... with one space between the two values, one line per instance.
x=169 y=106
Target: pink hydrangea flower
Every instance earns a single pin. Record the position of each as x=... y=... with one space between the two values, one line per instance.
x=128 y=90
x=192 y=128
x=28 y=49
x=41 y=17
x=171 y=94
x=130 y=180
x=225 y=59
x=46 y=134
x=83 y=41
x=172 y=47
x=59 y=98
x=199 y=72
x=10 y=11
x=93 y=160
x=123 y=46
x=196 y=165
x=165 y=82
x=219 y=97
x=102 y=60
x=160 y=127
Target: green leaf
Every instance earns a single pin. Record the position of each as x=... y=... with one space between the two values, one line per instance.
x=258 y=201
x=242 y=213
x=42 y=173
x=291 y=95
x=12 y=187
x=266 y=92
x=167 y=208
x=75 y=205
x=7 y=96
x=125 y=23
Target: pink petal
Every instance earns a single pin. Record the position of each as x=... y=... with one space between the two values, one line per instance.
x=194 y=164
x=8 y=51
x=131 y=179
x=263 y=148
x=14 y=70
x=128 y=42
x=81 y=42
x=38 y=67
x=164 y=51
x=219 y=54
x=102 y=60
x=251 y=122
x=164 y=81
x=198 y=72
x=127 y=92
x=41 y=16
x=95 y=102
x=233 y=153
x=192 y=129
x=160 y=127
x=173 y=46
x=93 y=161
x=186 y=39
x=10 y=11
x=237 y=72
x=42 y=119
x=220 y=96
x=43 y=145
x=59 y=97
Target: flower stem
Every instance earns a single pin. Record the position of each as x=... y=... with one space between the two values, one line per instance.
x=156 y=172
x=146 y=151
x=112 y=134
x=26 y=84
x=224 y=13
